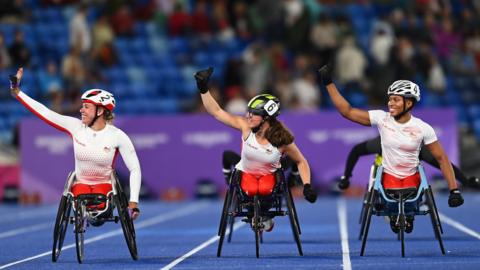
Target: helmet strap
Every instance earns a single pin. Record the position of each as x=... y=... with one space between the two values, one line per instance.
x=405 y=110
x=94 y=118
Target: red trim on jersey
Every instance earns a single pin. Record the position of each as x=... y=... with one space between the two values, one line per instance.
x=43 y=118
x=390 y=181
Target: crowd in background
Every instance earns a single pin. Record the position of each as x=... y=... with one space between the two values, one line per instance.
x=369 y=43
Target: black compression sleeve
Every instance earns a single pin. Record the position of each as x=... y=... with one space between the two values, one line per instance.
x=369 y=147
x=427 y=156
x=230 y=159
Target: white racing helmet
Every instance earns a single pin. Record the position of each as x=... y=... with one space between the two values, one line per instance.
x=404 y=88
x=99 y=97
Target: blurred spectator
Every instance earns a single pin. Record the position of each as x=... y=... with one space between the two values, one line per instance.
x=297 y=25
x=283 y=89
x=271 y=15
x=13 y=11
x=123 y=22
x=381 y=43
x=462 y=62
x=102 y=32
x=350 y=64
x=306 y=91
x=179 y=21
x=221 y=23
x=105 y=55
x=446 y=40
x=51 y=86
x=324 y=38
x=4 y=56
x=241 y=21
x=200 y=21
x=73 y=69
x=256 y=69
x=436 y=80
x=79 y=30
x=236 y=102
x=19 y=52
x=403 y=61
x=144 y=9
x=50 y=81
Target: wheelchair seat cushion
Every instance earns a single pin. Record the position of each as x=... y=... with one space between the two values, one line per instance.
x=406 y=193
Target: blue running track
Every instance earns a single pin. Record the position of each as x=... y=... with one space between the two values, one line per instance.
x=183 y=236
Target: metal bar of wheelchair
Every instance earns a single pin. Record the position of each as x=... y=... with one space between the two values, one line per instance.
x=379 y=187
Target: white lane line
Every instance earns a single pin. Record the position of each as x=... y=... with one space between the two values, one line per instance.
x=459 y=226
x=342 y=220
x=200 y=247
x=146 y=223
x=27 y=215
x=27 y=229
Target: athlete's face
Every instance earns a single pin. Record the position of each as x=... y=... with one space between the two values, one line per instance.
x=87 y=112
x=253 y=120
x=395 y=105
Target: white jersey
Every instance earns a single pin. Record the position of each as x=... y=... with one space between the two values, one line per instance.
x=401 y=143
x=95 y=151
x=258 y=159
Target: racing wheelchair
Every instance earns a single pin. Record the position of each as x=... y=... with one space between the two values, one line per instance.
x=400 y=203
x=253 y=209
x=91 y=209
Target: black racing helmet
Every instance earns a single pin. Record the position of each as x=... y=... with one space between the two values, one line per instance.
x=264 y=105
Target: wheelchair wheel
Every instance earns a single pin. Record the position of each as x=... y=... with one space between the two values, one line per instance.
x=402 y=221
x=227 y=205
x=126 y=222
x=293 y=221
x=294 y=211
x=231 y=217
x=363 y=213
x=368 y=219
x=435 y=208
x=60 y=228
x=256 y=224
x=79 y=230
x=437 y=227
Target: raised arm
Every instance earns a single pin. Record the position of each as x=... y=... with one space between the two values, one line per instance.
x=61 y=122
x=294 y=153
x=211 y=105
x=342 y=105
x=455 y=199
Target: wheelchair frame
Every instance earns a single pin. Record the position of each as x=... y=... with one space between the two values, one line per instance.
x=238 y=204
x=380 y=204
x=83 y=216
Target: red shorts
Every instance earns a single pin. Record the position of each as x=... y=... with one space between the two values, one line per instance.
x=390 y=181
x=79 y=188
x=261 y=185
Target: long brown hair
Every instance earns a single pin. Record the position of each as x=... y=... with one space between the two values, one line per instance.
x=277 y=134
x=108 y=115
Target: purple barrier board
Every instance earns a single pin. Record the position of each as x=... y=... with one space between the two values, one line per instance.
x=178 y=151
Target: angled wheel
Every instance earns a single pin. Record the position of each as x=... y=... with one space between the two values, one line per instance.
x=126 y=221
x=293 y=221
x=363 y=213
x=231 y=217
x=402 y=221
x=224 y=219
x=294 y=210
x=80 y=230
x=60 y=228
x=256 y=224
x=366 y=226
x=435 y=208
x=437 y=227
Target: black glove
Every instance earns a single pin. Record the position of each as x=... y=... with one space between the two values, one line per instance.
x=344 y=183
x=309 y=193
x=13 y=81
x=325 y=74
x=202 y=78
x=455 y=199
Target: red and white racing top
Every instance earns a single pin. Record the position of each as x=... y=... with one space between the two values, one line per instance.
x=258 y=159
x=401 y=143
x=95 y=151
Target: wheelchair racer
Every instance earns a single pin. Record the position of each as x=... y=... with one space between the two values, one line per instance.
x=373 y=146
x=401 y=135
x=264 y=141
x=96 y=142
